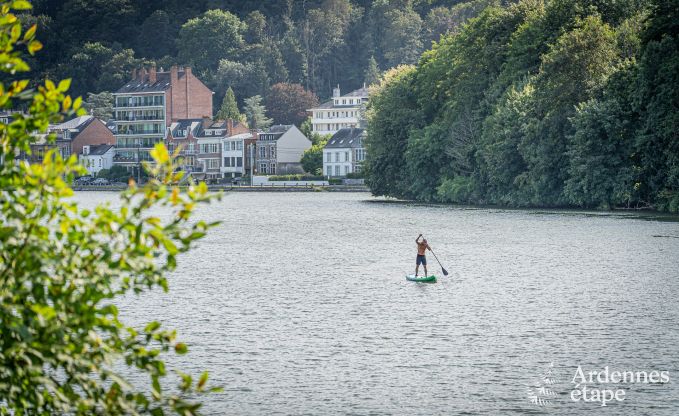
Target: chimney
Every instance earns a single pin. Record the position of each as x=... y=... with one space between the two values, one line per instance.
x=174 y=74
x=134 y=73
x=229 y=127
x=152 y=75
x=336 y=92
x=142 y=75
x=187 y=71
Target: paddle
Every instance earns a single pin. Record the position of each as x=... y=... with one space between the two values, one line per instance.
x=445 y=272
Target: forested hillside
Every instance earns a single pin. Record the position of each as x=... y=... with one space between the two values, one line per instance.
x=541 y=103
x=246 y=45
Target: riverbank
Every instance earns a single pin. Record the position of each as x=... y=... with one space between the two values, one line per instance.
x=246 y=188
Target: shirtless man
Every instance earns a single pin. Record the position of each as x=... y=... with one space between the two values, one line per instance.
x=422 y=247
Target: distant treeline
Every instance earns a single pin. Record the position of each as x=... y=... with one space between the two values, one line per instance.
x=246 y=45
x=541 y=103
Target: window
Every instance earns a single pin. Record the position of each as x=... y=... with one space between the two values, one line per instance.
x=360 y=155
x=346 y=156
x=262 y=168
x=337 y=170
x=273 y=168
x=328 y=157
x=227 y=162
x=329 y=170
x=239 y=162
x=239 y=145
x=212 y=163
x=262 y=152
x=273 y=152
x=337 y=156
x=346 y=170
x=209 y=148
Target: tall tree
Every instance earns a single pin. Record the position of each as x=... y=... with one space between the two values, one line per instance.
x=255 y=113
x=372 y=72
x=229 y=108
x=100 y=105
x=204 y=40
x=288 y=103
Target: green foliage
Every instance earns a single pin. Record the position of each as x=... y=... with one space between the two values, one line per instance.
x=255 y=113
x=537 y=103
x=372 y=73
x=288 y=103
x=62 y=268
x=116 y=174
x=204 y=40
x=312 y=159
x=229 y=108
x=392 y=111
x=100 y=105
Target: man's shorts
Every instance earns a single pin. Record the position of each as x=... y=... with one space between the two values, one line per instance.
x=421 y=259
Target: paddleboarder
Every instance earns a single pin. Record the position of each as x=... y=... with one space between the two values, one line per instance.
x=422 y=247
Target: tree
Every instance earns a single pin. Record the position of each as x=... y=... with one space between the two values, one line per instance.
x=255 y=113
x=156 y=36
x=204 y=40
x=62 y=268
x=229 y=109
x=288 y=103
x=100 y=105
x=372 y=72
x=312 y=158
x=391 y=110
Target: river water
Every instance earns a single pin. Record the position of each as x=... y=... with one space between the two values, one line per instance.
x=297 y=304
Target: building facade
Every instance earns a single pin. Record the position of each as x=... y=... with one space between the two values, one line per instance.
x=238 y=152
x=70 y=138
x=279 y=150
x=344 y=153
x=147 y=105
x=342 y=111
x=96 y=158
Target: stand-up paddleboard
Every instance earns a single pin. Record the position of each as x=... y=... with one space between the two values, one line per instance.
x=423 y=279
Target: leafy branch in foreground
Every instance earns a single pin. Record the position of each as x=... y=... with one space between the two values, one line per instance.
x=62 y=267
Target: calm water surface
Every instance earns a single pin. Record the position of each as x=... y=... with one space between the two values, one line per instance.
x=297 y=304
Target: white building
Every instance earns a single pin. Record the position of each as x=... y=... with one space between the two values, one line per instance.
x=344 y=153
x=343 y=111
x=235 y=152
x=96 y=158
x=279 y=150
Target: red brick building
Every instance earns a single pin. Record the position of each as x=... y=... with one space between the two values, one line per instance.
x=71 y=136
x=150 y=103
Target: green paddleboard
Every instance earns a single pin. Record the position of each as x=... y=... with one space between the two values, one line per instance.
x=423 y=279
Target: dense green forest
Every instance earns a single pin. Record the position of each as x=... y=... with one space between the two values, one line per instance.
x=246 y=45
x=538 y=103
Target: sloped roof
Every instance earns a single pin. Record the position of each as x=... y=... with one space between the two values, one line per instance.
x=100 y=149
x=77 y=123
x=136 y=85
x=346 y=138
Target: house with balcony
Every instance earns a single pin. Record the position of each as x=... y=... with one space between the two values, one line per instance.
x=279 y=150
x=149 y=103
x=344 y=153
x=238 y=153
x=342 y=111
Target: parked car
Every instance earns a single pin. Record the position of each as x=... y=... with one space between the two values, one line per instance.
x=83 y=180
x=100 y=181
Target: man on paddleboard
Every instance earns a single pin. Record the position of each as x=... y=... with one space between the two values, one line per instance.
x=422 y=247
